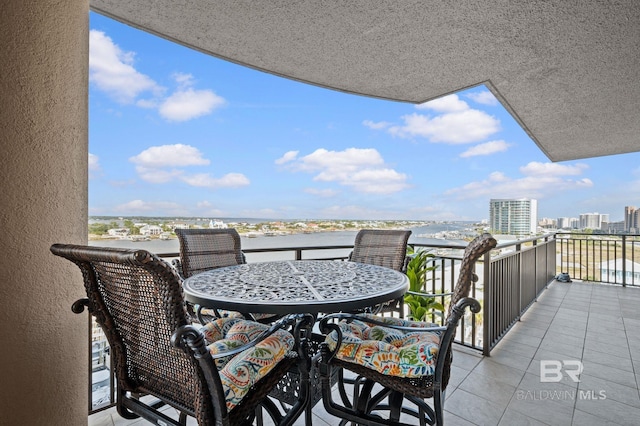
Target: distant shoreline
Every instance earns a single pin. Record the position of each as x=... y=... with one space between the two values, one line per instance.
x=247 y=234
x=124 y=228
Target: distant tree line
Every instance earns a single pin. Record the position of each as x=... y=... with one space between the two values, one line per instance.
x=103 y=228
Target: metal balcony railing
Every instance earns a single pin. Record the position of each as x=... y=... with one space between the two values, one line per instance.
x=511 y=278
x=607 y=258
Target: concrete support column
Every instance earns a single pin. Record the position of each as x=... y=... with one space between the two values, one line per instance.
x=43 y=200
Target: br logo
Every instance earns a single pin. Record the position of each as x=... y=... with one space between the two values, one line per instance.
x=553 y=371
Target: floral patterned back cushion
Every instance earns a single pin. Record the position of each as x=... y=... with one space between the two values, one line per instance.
x=240 y=372
x=388 y=351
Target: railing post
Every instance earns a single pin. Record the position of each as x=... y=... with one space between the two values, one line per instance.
x=487 y=322
x=90 y=347
x=536 y=254
x=519 y=254
x=624 y=261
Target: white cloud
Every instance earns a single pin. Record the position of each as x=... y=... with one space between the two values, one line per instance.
x=287 y=157
x=206 y=207
x=230 y=180
x=264 y=213
x=535 y=168
x=184 y=80
x=536 y=183
x=94 y=165
x=376 y=125
x=363 y=170
x=485 y=98
x=156 y=175
x=460 y=127
x=377 y=181
x=486 y=148
x=454 y=123
x=449 y=103
x=150 y=207
x=356 y=212
x=204 y=204
x=363 y=212
x=147 y=103
x=340 y=162
x=165 y=163
x=187 y=104
x=321 y=192
x=170 y=155
x=112 y=71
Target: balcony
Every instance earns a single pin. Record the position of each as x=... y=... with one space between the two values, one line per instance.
x=519 y=362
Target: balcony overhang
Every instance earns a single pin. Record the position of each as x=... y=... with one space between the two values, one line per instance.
x=569 y=72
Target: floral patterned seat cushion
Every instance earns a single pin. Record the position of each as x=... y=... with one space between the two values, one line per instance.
x=388 y=351
x=240 y=372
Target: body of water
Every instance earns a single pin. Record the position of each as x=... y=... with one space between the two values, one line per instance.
x=419 y=235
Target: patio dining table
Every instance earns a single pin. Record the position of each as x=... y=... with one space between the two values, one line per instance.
x=307 y=287
x=300 y=286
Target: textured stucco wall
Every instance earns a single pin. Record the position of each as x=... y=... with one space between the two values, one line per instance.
x=43 y=199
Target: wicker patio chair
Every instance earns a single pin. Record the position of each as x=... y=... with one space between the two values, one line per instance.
x=218 y=374
x=410 y=360
x=205 y=249
x=387 y=248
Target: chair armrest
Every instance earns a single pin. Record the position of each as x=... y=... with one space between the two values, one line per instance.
x=456 y=314
x=79 y=305
x=177 y=265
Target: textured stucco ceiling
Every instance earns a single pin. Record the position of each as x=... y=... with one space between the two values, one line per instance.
x=568 y=71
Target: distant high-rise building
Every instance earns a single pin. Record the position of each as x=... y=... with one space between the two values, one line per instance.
x=564 y=223
x=613 y=227
x=631 y=219
x=513 y=216
x=592 y=220
x=547 y=223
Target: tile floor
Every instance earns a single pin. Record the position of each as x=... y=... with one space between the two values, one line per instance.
x=596 y=324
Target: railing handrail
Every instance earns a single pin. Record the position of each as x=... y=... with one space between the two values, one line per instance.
x=561 y=233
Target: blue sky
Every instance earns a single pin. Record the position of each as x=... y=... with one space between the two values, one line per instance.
x=173 y=132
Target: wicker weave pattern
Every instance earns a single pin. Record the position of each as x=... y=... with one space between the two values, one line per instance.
x=137 y=300
x=474 y=251
x=205 y=249
x=386 y=248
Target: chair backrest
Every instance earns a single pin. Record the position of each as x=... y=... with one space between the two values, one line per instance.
x=381 y=247
x=474 y=250
x=137 y=300
x=205 y=249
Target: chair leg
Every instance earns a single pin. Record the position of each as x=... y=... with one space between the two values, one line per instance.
x=362 y=402
x=438 y=401
x=341 y=388
x=395 y=405
x=272 y=411
x=425 y=413
x=259 y=417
